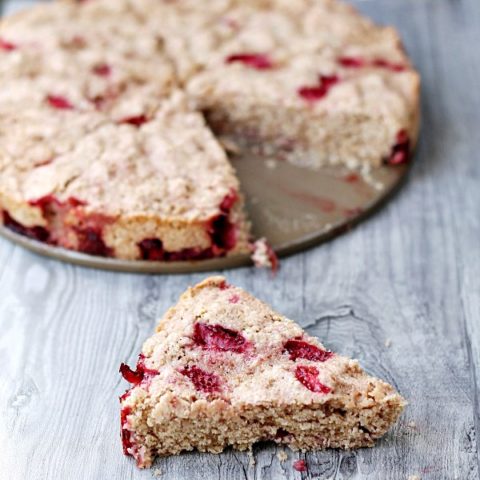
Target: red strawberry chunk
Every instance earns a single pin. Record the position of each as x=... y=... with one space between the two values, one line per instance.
x=351 y=62
x=229 y=201
x=357 y=62
x=234 y=298
x=37 y=233
x=312 y=94
x=308 y=377
x=351 y=178
x=258 y=61
x=202 y=380
x=6 y=45
x=273 y=258
x=396 y=67
x=90 y=241
x=401 y=150
x=300 y=349
x=328 y=81
x=223 y=285
x=152 y=249
x=102 y=70
x=317 y=92
x=223 y=233
x=59 y=102
x=300 y=466
x=218 y=338
x=136 y=120
x=140 y=374
x=131 y=376
x=126 y=434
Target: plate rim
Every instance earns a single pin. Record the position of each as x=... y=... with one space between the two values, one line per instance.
x=306 y=242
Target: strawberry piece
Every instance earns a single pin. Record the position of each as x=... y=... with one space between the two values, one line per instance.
x=400 y=153
x=308 y=377
x=223 y=233
x=136 y=121
x=229 y=201
x=139 y=375
x=218 y=338
x=300 y=349
x=357 y=62
x=59 y=102
x=90 y=241
x=7 y=46
x=125 y=433
x=312 y=94
x=351 y=178
x=204 y=381
x=102 y=70
x=234 y=298
x=300 y=466
x=395 y=67
x=37 y=233
x=152 y=249
x=352 y=62
x=315 y=93
x=257 y=61
x=131 y=376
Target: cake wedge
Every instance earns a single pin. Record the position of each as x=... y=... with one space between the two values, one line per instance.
x=223 y=369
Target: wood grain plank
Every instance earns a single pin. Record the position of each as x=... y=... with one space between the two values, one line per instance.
x=410 y=275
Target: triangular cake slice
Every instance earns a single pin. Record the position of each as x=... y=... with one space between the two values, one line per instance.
x=224 y=369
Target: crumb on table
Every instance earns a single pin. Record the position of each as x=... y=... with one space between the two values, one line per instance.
x=282 y=455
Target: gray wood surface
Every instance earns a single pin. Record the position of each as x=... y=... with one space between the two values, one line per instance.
x=410 y=275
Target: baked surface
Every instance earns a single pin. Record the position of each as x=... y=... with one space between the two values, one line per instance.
x=309 y=79
x=224 y=369
x=104 y=147
x=100 y=152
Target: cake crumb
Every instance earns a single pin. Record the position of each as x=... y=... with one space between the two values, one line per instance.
x=412 y=424
x=157 y=472
x=388 y=342
x=414 y=477
x=271 y=164
x=230 y=145
x=366 y=172
x=282 y=455
x=251 y=458
x=263 y=255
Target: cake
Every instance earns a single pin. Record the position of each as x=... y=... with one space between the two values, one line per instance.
x=114 y=115
x=100 y=151
x=311 y=81
x=223 y=369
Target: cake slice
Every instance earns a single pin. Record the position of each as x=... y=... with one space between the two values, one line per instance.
x=224 y=369
x=99 y=150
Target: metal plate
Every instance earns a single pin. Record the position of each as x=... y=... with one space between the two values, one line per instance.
x=294 y=207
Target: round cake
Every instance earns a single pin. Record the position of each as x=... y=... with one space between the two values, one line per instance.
x=113 y=114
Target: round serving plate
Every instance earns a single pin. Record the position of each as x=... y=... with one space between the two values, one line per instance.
x=294 y=207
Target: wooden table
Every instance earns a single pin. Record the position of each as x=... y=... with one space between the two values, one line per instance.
x=401 y=293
